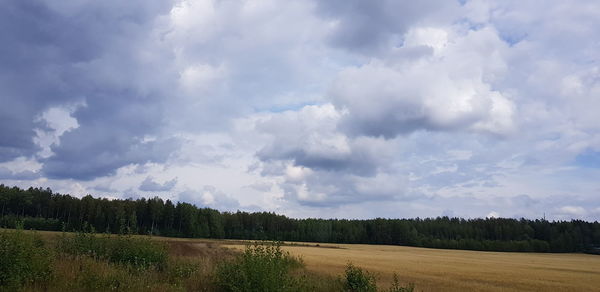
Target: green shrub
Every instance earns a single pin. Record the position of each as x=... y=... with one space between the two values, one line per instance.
x=396 y=287
x=138 y=253
x=262 y=267
x=357 y=280
x=23 y=259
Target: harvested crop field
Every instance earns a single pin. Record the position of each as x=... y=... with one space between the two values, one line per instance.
x=458 y=270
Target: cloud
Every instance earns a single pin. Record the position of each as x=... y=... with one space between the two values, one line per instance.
x=95 y=157
x=309 y=138
x=80 y=54
x=372 y=27
x=571 y=211
x=149 y=185
x=320 y=166
x=209 y=196
x=450 y=89
x=57 y=121
x=7 y=174
x=493 y=214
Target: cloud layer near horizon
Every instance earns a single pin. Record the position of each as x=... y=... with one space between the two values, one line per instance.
x=330 y=109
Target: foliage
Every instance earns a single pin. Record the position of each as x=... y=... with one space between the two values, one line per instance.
x=42 y=209
x=138 y=253
x=358 y=280
x=262 y=267
x=23 y=259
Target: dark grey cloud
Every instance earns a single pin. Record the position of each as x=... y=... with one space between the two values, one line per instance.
x=65 y=53
x=21 y=84
x=358 y=161
x=87 y=154
x=149 y=185
x=370 y=26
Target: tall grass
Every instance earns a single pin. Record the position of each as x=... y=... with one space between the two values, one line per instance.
x=23 y=260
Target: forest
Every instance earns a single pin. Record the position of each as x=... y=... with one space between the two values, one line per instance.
x=42 y=209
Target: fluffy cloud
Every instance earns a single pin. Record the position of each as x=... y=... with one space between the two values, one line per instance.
x=450 y=87
x=309 y=138
x=318 y=164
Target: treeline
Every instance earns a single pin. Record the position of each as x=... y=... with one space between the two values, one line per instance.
x=41 y=209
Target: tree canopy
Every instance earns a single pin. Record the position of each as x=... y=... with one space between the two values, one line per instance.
x=42 y=209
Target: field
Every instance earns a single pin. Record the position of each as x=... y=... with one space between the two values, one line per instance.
x=428 y=269
x=454 y=270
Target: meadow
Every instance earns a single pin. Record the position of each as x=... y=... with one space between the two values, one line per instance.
x=192 y=265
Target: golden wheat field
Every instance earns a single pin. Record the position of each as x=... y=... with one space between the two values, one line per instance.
x=457 y=270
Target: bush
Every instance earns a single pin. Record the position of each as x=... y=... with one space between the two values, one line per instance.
x=357 y=280
x=23 y=259
x=138 y=253
x=262 y=267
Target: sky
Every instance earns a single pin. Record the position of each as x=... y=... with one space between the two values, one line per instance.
x=331 y=109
